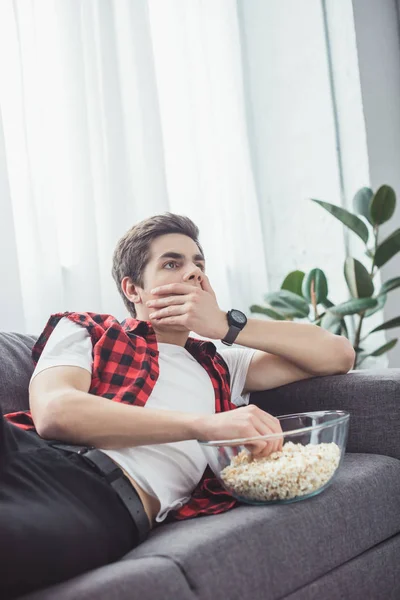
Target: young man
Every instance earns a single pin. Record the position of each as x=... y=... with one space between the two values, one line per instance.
x=188 y=390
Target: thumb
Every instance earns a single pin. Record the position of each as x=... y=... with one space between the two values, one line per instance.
x=206 y=285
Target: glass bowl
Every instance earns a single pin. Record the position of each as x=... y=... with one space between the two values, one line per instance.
x=314 y=445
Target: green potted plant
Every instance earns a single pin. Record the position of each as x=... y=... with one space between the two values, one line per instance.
x=305 y=296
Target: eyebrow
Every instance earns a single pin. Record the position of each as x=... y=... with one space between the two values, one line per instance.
x=179 y=256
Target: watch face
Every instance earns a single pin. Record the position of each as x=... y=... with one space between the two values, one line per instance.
x=238 y=316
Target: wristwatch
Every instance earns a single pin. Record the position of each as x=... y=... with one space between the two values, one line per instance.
x=236 y=320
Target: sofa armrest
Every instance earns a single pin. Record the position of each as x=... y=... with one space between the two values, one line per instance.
x=372 y=397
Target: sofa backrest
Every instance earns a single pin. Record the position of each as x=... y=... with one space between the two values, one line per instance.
x=16 y=368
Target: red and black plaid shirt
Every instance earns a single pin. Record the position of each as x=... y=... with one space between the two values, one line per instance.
x=125 y=369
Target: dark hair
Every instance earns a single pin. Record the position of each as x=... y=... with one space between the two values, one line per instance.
x=132 y=252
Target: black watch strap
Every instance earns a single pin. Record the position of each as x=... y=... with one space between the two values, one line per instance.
x=231 y=335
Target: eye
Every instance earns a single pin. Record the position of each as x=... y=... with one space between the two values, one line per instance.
x=171 y=262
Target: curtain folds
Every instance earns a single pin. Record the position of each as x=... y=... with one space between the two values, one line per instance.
x=114 y=111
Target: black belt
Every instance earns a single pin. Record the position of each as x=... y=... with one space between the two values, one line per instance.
x=115 y=477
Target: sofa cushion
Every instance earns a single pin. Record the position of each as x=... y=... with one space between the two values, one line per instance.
x=373 y=575
x=148 y=578
x=370 y=396
x=269 y=551
x=16 y=368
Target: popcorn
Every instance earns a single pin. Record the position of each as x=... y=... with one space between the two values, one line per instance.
x=295 y=471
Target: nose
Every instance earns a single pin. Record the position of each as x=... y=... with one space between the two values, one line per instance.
x=195 y=275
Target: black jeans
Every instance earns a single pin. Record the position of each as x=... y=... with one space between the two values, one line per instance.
x=58 y=517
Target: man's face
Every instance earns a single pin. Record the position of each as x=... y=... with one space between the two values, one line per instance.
x=165 y=266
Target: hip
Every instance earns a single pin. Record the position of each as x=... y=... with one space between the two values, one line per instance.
x=151 y=504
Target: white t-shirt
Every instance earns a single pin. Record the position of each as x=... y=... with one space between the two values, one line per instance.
x=170 y=471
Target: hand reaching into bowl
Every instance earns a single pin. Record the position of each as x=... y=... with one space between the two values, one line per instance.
x=243 y=422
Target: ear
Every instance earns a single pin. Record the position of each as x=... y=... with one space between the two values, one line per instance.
x=131 y=291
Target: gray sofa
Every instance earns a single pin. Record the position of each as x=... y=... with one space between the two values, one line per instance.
x=341 y=544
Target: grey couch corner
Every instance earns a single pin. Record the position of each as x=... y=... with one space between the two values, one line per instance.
x=341 y=544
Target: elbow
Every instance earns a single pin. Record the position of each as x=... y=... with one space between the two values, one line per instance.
x=342 y=358
x=47 y=422
x=48 y=430
x=345 y=355
x=349 y=355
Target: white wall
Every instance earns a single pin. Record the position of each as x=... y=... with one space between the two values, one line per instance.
x=292 y=134
x=378 y=44
x=10 y=304
x=307 y=135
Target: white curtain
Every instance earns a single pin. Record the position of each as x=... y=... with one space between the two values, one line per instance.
x=231 y=112
x=114 y=111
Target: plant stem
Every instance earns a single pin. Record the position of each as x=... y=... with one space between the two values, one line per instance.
x=358 y=332
x=376 y=229
x=361 y=361
x=314 y=299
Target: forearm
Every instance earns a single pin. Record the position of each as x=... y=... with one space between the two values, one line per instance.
x=311 y=348
x=81 y=418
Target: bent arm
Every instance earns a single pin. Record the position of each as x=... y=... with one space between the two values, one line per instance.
x=62 y=409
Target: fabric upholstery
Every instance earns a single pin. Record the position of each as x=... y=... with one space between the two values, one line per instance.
x=372 y=397
x=330 y=546
x=142 y=579
x=374 y=575
x=276 y=549
x=343 y=543
x=16 y=368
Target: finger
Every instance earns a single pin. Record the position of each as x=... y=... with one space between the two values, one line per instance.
x=206 y=285
x=177 y=320
x=167 y=301
x=274 y=424
x=277 y=441
x=172 y=288
x=261 y=448
x=169 y=311
x=267 y=446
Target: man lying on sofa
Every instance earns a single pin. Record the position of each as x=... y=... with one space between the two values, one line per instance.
x=86 y=473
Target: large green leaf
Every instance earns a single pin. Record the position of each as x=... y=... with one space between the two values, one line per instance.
x=354 y=306
x=347 y=218
x=337 y=329
x=334 y=323
x=362 y=201
x=331 y=321
x=320 y=285
x=288 y=303
x=389 y=285
x=382 y=205
x=327 y=303
x=343 y=329
x=264 y=310
x=387 y=325
x=381 y=303
x=387 y=249
x=293 y=282
x=384 y=348
x=358 y=279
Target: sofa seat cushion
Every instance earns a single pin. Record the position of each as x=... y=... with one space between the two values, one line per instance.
x=16 y=368
x=147 y=579
x=269 y=551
